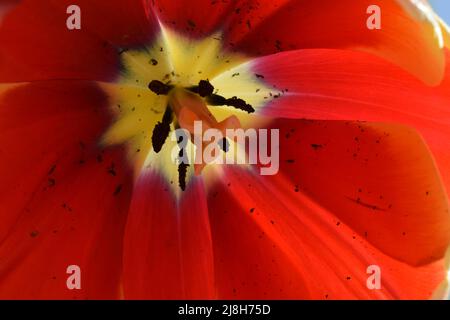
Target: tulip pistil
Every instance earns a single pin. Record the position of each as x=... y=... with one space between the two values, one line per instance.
x=190 y=105
x=205 y=90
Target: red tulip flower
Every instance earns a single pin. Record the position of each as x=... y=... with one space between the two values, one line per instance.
x=87 y=178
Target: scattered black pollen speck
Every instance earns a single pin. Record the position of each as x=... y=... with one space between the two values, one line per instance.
x=316 y=146
x=191 y=23
x=51 y=182
x=66 y=207
x=117 y=190
x=367 y=205
x=290 y=161
x=52 y=169
x=252 y=210
x=112 y=170
x=154 y=62
x=34 y=234
x=278 y=45
x=259 y=76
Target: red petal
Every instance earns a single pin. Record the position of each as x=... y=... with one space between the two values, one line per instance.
x=36 y=44
x=408 y=39
x=311 y=255
x=334 y=84
x=6 y=6
x=193 y=18
x=380 y=179
x=247 y=263
x=121 y=23
x=168 y=253
x=59 y=202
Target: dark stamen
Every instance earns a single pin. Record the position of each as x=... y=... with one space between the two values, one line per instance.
x=182 y=171
x=183 y=166
x=162 y=130
x=204 y=88
x=216 y=100
x=159 y=87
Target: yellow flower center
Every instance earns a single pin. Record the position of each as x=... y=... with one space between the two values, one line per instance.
x=172 y=83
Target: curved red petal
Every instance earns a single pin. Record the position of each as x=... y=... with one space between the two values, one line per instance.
x=408 y=38
x=67 y=211
x=247 y=263
x=30 y=50
x=379 y=179
x=120 y=23
x=193 y=18
x=311 y=257
x=6 y=6
x=37 y=45
x=345 y=85
x=168 y=252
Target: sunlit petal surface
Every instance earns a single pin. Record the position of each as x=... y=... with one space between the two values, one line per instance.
x=332 y=119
